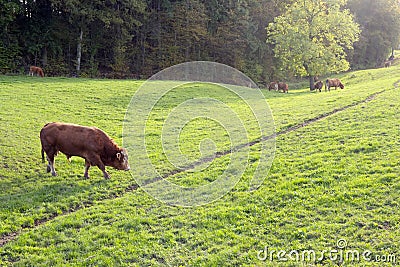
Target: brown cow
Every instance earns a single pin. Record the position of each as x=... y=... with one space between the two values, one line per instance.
x=36 y=70
x=318 y=85
x=273 y=86
x=284 y=87
x=333 y=83
x=89 y=143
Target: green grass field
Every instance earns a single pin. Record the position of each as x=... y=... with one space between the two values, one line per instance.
x=335 y=179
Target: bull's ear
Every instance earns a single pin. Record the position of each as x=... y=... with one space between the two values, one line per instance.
x=119 y=156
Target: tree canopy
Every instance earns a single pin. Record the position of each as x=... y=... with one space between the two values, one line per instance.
x=312 y=36
x=379 y=21
x=137 y=38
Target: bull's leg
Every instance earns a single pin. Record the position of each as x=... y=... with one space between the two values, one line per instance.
x=95 y=160
x=50 y=167
x=87 y=166
x=103 y=169
x=51 y=152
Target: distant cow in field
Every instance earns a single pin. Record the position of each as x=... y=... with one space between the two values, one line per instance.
x=333 y=83
x=318 y=85
x=36 y=70
x=273 y=86
x=89 y=143
x=388 y=64
x=284 y=87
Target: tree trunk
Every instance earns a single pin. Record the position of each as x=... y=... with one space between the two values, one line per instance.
x=311 y=83
x=142 y=41
x=44 y=56
x=79 y=53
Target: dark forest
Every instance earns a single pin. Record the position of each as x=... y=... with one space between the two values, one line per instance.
x=137 y=38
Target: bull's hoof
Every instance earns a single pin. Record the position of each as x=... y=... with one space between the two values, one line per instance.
x=54 y=173
x=107 y=176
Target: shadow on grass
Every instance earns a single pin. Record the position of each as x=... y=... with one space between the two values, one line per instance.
x=41 y=197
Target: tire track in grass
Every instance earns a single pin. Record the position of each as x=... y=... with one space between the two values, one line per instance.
x=12 y=236
x=265 y=138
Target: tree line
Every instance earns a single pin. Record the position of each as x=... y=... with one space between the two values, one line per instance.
x=137 y=38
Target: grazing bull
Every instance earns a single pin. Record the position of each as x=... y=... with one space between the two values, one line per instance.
x=36 y=70
x=318 y=85
x=333 y=83
x=89 y=143
x=273 y=86
x=284 y=87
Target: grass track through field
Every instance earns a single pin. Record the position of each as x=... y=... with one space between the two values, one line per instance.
x=10 y=237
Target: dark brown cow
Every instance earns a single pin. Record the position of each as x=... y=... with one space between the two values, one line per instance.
x=318 y=85
x=284 y=87
x=333 y=83
x=89 y=143
x=273 y=86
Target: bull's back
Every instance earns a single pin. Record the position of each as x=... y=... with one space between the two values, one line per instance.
x=71 y=139
x=333 y=82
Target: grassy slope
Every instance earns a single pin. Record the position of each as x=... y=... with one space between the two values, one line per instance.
x=338 y=178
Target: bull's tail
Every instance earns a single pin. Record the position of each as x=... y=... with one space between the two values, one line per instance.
x=42 y=137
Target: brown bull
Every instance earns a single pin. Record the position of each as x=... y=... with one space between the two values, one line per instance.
x=284 y=87
x=273 y=86
x=333 y=83
x=318 y=85
x=36 y=70
x=89 y=143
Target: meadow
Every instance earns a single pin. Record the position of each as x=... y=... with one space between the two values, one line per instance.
x=334 y=178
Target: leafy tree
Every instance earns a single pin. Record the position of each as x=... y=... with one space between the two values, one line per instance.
x=312 y=36
x=230 y=40
x=379 y=21
x=35 y=24
x=237 y=34
x=119 y=37
x=117 y=16
x=260 y=63
x=9 y=48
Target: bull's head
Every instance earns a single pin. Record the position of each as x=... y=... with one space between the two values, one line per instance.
x=121 y=160
x=341 y=86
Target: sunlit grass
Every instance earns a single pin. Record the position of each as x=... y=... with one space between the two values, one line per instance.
x=337 y=178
